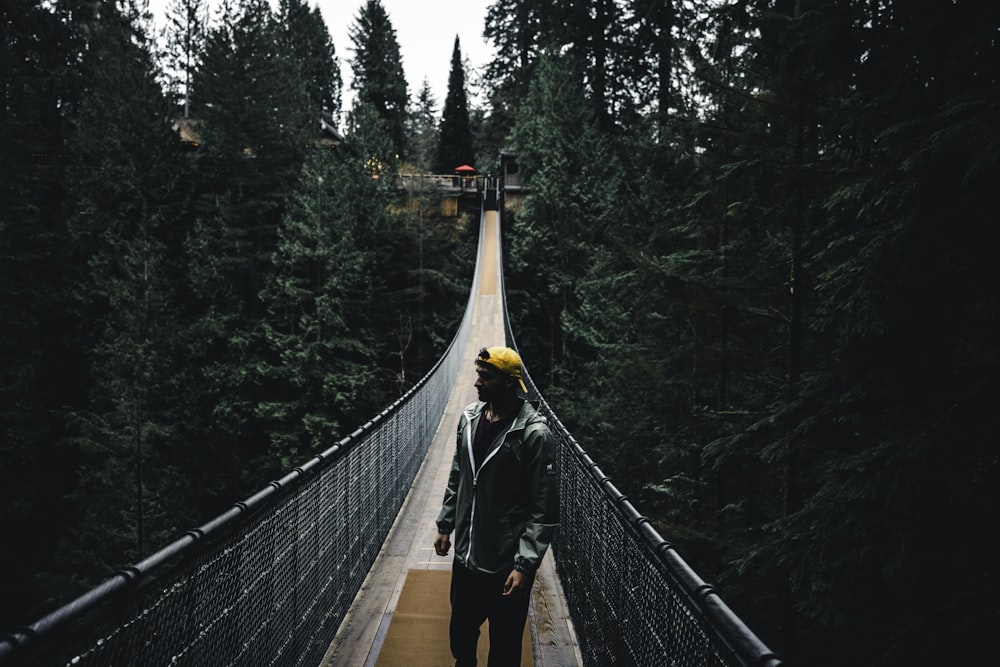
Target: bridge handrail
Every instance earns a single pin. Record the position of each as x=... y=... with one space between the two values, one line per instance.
x=440 y=181
x=452 y=183
x=726 y=639
x=270 y=580
x=144 y=598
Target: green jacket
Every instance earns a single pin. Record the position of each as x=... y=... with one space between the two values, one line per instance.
x=509 y=511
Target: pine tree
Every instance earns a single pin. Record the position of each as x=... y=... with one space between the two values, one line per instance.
x=122 y=224
x=323 y=304
x=308 y=44
x=811 y=143
x=257 y=123
x=378 y=72
x=653 y=54
x=252 y=99
x=585 y=32
x=519 y=33
x=455 y=138
x=187 y=25
x=423 y=130
x=41 y=351
x=573 y=176
x=371 y=142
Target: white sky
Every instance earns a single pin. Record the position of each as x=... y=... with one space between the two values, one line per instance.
x=425 y=30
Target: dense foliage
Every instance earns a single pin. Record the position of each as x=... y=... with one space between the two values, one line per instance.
x=422 y=129
x=184 y=321
x=378 y=72
x=752 y=275
x=455 y=142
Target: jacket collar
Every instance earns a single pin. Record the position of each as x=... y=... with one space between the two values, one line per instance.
x=524 y=415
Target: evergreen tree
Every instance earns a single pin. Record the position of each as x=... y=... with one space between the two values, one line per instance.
x=585 y=32
x=760 y=280
x=378 y=71
x=41 y=351
x=519 y=33
x=187 y=25
x=257 y=121
x=592 y=34
x=455 y=138
x=371 y=142
x=252 y=100
x=877 y=401
x=423 y=130
x=307 y=43
x=121 y=225
x=321 y=302
x=653 y=50
x=573 y=179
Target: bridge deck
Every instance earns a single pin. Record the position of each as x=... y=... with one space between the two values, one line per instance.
x=362 y=635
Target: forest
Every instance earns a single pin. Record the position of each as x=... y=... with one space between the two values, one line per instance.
x=751 y=276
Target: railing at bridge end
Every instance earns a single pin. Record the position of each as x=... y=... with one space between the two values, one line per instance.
x=269 y=580
x=641 y=605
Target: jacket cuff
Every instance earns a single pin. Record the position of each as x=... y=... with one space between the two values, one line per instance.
x=524 y=568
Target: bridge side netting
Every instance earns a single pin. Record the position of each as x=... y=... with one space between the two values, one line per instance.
x=270 y=581
x=633 y=601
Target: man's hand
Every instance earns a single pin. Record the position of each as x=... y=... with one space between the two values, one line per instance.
x=441 y=544
x=515 y=582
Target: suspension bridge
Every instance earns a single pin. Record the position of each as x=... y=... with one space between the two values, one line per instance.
x=332 y=565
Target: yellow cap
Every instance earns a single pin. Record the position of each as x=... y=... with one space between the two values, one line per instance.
x=504 y=360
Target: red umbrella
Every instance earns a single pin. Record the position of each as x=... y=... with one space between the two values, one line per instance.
x=465 y=167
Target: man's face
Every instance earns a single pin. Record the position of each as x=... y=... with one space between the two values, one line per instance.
x=491 y=384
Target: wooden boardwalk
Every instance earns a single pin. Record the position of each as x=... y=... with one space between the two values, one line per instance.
x=362 y=635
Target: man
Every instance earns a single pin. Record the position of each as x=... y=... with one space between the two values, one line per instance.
x=502 y=505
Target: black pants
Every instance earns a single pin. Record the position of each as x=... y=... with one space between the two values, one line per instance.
x=476 y=597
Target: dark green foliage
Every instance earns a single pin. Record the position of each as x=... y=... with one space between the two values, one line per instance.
x=321 y=373
x=187 y=26
x=782 y=344
x=423 y=129
x=40 y=347
x=182 y=325
x=519 y=33
x=587 y=33
x=455 y=137
x=120 y=225
x=252 y=102
x=575 y=181
x=434 y=266
x=754 y=276
x=255 y=119
x=308 y=45
x=378 y=71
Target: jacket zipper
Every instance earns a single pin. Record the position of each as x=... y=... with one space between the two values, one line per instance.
x=475 y=475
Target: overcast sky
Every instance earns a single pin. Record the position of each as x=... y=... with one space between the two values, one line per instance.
x=425 y=30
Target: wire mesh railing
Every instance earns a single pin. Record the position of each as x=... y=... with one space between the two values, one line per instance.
x=270 y=581
x=633 y=600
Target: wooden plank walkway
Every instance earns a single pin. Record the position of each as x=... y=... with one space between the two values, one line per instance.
x=409 y=545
